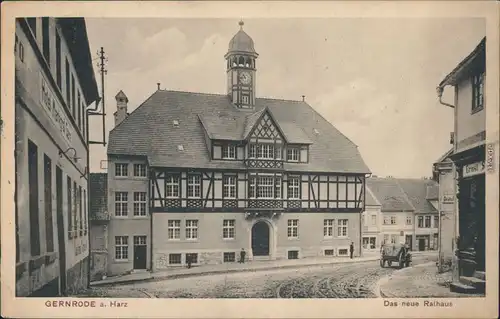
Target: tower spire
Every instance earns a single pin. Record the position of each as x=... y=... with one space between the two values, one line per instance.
x=241 y=23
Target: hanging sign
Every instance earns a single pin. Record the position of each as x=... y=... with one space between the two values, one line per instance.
x=473 y=169
x=54 y=110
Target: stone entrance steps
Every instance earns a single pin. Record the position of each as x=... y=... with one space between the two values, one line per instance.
x=470 y=285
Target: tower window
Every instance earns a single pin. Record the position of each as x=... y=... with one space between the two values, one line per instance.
x=245 y=99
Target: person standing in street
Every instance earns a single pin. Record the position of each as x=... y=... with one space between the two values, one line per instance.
x=351 y=249
x=242 y=255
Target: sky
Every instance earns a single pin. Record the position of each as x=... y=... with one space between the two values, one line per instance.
x=374 y=79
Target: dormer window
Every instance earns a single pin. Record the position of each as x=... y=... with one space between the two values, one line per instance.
x=477 y=92
x=229 y=152
x=176 y=123
x=293 y=154
x=180 y=148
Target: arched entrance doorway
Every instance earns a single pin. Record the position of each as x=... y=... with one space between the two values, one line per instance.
x=260 y=239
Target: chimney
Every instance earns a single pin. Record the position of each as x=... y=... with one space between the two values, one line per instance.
x=121 y=107
x=303 y=98
x=158 y=84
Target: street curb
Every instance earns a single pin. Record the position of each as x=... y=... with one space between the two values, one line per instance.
x=223 y=271
x=378 y=286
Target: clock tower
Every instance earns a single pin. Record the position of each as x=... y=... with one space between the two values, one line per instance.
x=240 y=61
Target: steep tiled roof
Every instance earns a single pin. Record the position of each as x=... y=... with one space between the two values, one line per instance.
x=98 y=194
x=416 y=191
x=148 y=131
x=371 y=200
x=388 y=192
x=432 y=192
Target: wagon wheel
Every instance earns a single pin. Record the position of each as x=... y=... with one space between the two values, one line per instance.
x=389 y=263
x=382 y=262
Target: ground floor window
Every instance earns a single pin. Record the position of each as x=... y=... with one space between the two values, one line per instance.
x=293 y=228
x=121 y=247
x=293 y=254
x=193 y=257
x=343 y=252
x=394 y=239
x=229 y=257
x=329 y=252
x=174 y=259
x=369 y=242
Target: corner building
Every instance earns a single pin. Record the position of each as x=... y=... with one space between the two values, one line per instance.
x=54 y=85
x=224 y=172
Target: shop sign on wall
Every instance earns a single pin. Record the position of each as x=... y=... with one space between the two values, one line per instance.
x=473 y=169
x=54 y=109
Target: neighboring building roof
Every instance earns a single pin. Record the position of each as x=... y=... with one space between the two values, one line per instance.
x=75 y=33
x=388 y=192
x=370 y=199
x=478 y=55
x=148 y=131
x=98 y=196
x=416 y=192
x=445 y=156
x=432 y=192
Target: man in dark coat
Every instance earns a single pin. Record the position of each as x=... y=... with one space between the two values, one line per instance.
x=351 y=249
x=242 y=255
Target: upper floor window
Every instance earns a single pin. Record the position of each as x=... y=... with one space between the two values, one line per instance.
x=172 y=190
x=374 y=220
x=228 y=152
x=420 y=221
x=436 y=221
x=292 y=154
x=265 y=187
x=140 y=170
x=293 y=188
x=121 y=204
x=409 y=220
x=387 y=220
x=427 y=221
x=139 y=203
x=229 y=187
x=121 y=169
x=245 y=99
x=261 y=151
x=477 y=92
x=393 y=220
x=46 y=39
x=194 y=186
x=228 y=228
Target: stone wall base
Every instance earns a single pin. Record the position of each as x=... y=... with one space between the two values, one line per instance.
x=77 y=277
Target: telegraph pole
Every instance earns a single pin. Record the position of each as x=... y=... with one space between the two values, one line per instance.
x=103 y=71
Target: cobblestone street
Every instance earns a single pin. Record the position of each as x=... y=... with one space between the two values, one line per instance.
x=356 y=280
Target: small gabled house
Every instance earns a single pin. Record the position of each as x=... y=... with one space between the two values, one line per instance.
x=468 y=81
x=371 y=223
x=203 y=176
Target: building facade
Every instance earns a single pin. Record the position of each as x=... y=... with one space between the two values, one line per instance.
x=54 y=85
x=407 y=212
x=443 y=174
x=468 y=81
x=202 y=176
x=372 y=223
x=99 y=223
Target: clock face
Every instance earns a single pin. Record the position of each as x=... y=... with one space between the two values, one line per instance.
x=245 y=78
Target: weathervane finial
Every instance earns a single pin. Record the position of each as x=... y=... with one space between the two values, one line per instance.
x=241 y=23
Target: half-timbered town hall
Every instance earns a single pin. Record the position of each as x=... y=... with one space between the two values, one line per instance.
x=203 y=176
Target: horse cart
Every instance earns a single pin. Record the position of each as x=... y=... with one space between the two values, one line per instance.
x=395 y=253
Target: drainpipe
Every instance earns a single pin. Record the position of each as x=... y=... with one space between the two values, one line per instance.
x=439 y=91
